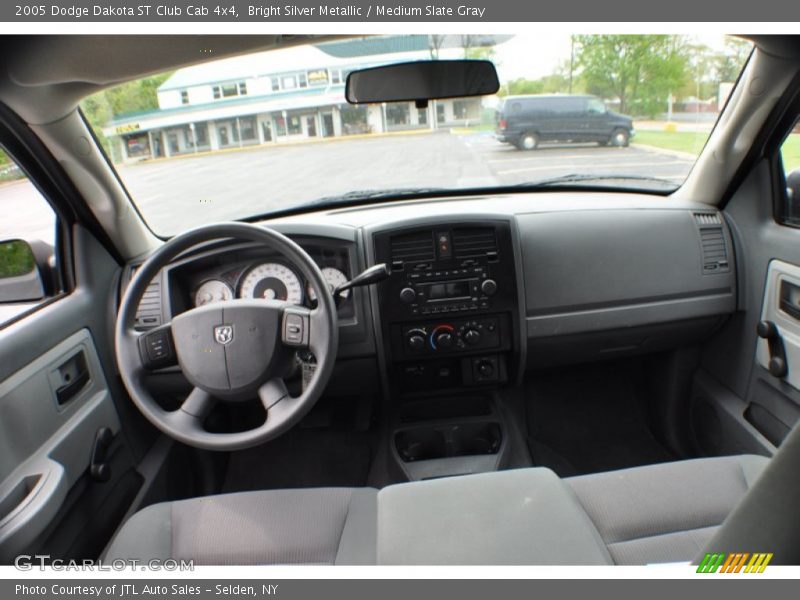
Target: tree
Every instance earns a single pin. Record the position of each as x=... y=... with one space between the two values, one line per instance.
x=435 y=42
x=730 y=61
x=640 y=71
x=476 y=48
x=557 y=83
x=133 y=96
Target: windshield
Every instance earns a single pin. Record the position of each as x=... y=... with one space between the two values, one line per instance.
x=271 y=131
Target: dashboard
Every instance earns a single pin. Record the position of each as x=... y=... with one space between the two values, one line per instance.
x=483 y=288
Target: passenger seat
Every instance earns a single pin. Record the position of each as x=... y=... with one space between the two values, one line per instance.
x=653 y=514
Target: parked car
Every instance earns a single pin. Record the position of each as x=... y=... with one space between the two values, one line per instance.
x=526 y=121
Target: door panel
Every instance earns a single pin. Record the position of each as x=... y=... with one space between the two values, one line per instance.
x=50 y=412
x=58 y=387
x=774 y=406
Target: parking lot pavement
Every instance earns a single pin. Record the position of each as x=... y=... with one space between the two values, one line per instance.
x=179 y=193
x=511 y=166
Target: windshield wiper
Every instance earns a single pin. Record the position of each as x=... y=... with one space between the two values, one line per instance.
x=582 y=178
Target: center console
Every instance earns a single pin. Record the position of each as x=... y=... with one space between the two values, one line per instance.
x=450 y=325
x=449 y=309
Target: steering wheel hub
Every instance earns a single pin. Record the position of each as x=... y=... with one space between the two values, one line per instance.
x=230 y=349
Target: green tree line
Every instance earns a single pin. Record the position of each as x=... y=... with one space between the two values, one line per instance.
x=640 y=71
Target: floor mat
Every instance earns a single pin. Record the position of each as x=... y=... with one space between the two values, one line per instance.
x=589 y=419
x=319 y=452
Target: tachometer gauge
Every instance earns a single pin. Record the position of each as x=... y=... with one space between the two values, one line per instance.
x=212 y=291
x=272 y=281
x=334 y=278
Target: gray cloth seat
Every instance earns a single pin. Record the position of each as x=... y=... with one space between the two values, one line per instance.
x=666 y=512
x=282 y=527
x=658 y=513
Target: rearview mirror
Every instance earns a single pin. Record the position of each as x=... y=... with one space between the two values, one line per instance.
x=20 y=280
x=422 y=81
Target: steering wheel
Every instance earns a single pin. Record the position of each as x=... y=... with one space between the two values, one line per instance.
x=229 y=351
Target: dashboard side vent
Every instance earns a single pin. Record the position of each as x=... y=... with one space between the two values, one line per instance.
x=472 y=242
x=703 y=219
x=412 y=248
x=715 y=252
x=149 y=313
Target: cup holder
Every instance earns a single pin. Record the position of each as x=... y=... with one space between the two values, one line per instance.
x=421 y=444
x=476 y=438
x=461 y=439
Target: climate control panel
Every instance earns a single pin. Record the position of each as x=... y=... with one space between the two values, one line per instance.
x=449 y=336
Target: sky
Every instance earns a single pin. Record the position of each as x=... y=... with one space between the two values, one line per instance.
x=535 y=55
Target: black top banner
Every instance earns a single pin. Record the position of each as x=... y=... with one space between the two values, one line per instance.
x=316 y=11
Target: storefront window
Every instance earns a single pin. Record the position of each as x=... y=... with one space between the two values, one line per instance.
x=201 y=134
x=247 y=126
x=466 y=109
x=397 y=114
x=172 y=141
x=422 y=116
x=295 y=126
x=280 y=126
x=354 y=119
x=137 y=146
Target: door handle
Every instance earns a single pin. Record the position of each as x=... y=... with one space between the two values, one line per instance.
x=69 y=390
x=73 y=375
x=768 y=331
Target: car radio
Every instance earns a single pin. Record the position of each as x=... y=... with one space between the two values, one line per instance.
x=448 y=291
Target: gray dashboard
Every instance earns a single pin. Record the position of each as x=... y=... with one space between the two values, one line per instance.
x=601 y=273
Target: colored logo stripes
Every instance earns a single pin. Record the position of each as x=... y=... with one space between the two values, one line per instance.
x=736 y=562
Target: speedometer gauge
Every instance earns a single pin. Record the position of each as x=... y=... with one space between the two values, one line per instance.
x=272 y=281
x=212 y=291
x=334 y=278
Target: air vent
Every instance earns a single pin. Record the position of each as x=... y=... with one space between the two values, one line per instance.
x=473 y=242
x=715 y=252
x=412 y=248
x=148 y=315
x=703 y=219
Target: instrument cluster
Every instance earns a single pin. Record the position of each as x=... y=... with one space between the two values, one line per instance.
x=271 y=280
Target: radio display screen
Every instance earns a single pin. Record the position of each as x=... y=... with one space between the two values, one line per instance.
x=445 y=290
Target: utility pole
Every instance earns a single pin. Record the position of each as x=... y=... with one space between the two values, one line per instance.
x=571 y=59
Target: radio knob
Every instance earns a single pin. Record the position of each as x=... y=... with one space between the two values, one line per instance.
x=416 y=341
x=485 y=368
x=489 y=287
x=472 y=336
x=408 y=295
x=444 y=340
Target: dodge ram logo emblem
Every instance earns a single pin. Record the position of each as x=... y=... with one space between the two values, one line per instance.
x=223 y=334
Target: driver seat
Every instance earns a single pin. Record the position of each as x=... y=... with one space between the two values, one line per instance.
x=653 y=514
